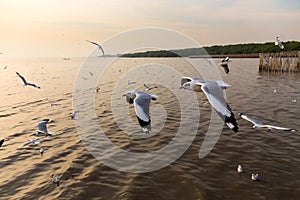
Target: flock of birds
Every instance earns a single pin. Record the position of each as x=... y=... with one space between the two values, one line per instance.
x=141 y=101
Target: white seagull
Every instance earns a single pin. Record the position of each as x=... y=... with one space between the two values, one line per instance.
x=224 y=64
x=148 y=87
x=258 y=124
x=55 y=179
x=279 y=42
x=240 y=169
x=141 y=102
x=42 y=151
x=98 y=45
x=26 y=83
x=42 y=128
x=215 y=95
x=255 y=177
x=34 y=141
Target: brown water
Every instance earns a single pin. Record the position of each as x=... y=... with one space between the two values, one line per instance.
x=24 y=174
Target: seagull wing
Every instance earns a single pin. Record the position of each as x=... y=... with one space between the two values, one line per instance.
x=226 y=68
x=42 y=127
x=253 y=121
x=216 y=98
x=99 y=46
x=33 y=85
x=278 y=128
x=141 y=107
x=22 y=78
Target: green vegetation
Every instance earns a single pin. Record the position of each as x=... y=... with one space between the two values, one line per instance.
x=251 y=48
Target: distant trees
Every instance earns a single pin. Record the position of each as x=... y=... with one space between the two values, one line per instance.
x=250 y=48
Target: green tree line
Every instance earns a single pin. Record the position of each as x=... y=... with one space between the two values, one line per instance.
x=250 y=48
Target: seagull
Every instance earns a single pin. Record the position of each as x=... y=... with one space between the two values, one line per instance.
x=224 y=64
x=55 y=179
x=34 y=141
x=131 y=82
x=5 y=67
x=73 y=115
x=42 y=151
x=141 y=102
x=258 y=124
x=240 y=169
x=55 y=104
x=26 y=83
x=279 y=43
x=148 y=87
x=214 y=94
x=255 y=177
x=42 y=128
x=98 y=45
x=91 y=73
x=1 y=142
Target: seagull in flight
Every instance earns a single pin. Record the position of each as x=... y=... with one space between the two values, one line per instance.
x=34 y=141
x=55 y=179
x=224 y=64
x=141 y=102
x=258 y=124
x=148 y=87
x=42 y=128
x=26 y=83
x=98 y=45
x=279 y=42
x=74 y=113
x=215 y=96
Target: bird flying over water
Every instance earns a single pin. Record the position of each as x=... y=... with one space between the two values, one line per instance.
x=98 y=45
x=224 y=64
x=26 y=83
x=42 y=128
x=141 y=102
x=258 y=124
x=279 y=42
x=34 y=141
x=148 y=87
x=215 y=96
x=55 y=179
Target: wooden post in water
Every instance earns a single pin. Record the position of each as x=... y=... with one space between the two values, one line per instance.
x=279 y=62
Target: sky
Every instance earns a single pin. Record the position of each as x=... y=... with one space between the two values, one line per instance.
x=53 y=28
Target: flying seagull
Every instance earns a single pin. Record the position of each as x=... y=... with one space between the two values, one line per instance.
x=26 y=83
x=224 y=64
x=214 y=94
x=255 y=177
x=258 y=124
x=98 y=45
x=42 y=128
x=74 y=113
x=240 y=169
x=141 y=102
x=34 y=141
x=148 y=87
x=279 y=42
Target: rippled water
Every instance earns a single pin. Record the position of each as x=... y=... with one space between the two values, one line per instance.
x=271 y=98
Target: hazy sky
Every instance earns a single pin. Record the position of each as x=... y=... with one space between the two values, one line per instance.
x=60 y=28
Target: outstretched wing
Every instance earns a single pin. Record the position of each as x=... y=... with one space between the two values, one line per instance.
x=99 y=46
x=279 y=128
x=22 y=78
x=216 y=98
x=141 y=107
x=253 y=121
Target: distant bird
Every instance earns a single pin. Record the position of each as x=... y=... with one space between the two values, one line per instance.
x=224 y=64
x=91 y=73
x=42 y=151
x=141 y=102
x=215 y=95
x=255 y=177
x=26 y=83
x=55 y=179
x=42 y=128
x=54 y=104
x=34 y=141
x=148 y=87
x=84 y=78
x=258 y=124
x=279 y=42
x=74 y=113
x=240 y=169
x=98 y=45
x=5 y=67
x=66 y=59
x=131 y=82
x=1 y=142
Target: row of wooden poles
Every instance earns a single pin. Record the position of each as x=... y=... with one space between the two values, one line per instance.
x=279 y=62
